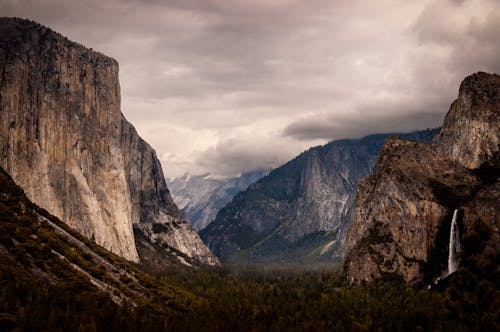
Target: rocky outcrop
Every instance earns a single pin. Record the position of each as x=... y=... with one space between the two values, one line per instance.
x=65 y=142
x=300 y=211
x=401 y=223
x=200 y=197
x=471 y=130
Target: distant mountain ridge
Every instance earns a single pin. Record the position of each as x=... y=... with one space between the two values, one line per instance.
x=200 y=197
x=300 y=211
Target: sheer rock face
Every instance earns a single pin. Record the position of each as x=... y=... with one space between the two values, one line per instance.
x=300 y=211
x=65 y=142
x=400 y=209
x=403 y=210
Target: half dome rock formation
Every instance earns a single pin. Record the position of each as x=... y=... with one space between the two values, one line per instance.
x=64 y=140
x=404 y=209
x=201 y=196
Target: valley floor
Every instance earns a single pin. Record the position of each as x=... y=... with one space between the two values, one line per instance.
x=255 y=300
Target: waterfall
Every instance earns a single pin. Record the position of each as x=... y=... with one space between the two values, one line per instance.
x=454 y=245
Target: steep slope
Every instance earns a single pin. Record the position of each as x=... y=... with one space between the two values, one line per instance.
x=404 y=209
x=39 y=250
x=65 y=142
x=300 y=211
x=201 y=197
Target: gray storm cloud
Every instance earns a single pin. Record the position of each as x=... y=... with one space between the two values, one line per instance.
x=231 y=86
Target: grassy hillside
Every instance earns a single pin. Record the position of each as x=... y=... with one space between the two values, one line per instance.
x=52 y=275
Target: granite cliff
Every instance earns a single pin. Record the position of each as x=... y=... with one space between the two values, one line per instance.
x=404 y=209
x=65 y=141
x=300 y=211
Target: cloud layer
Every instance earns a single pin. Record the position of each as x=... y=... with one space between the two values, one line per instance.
x=229 y=86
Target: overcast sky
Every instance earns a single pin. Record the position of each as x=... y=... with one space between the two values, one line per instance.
x=226 y=86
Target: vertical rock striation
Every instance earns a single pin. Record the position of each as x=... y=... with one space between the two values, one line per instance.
x=65 y=142
x=404 y=209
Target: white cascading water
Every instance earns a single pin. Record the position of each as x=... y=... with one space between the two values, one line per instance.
x=454 y=245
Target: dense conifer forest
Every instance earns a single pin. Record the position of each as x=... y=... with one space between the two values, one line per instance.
x=259 y=301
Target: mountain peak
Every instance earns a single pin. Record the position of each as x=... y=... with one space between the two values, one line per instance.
x=471 y=131
x=481 y=84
